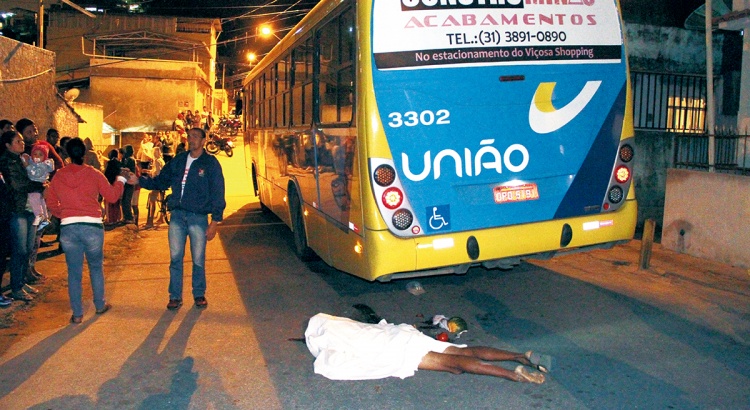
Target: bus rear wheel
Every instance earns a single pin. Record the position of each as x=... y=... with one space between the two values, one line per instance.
x=298 y=227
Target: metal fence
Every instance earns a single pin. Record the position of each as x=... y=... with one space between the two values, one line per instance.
x=669 y=102
x=732 y=152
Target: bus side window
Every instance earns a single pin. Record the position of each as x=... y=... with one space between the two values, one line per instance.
x=337 y=69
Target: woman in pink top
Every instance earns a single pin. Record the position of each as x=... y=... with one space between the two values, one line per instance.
x=73 y=196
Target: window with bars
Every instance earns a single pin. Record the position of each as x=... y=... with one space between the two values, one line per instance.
x=669 y=102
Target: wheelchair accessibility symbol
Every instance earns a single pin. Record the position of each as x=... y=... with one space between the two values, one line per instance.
x=438 y=217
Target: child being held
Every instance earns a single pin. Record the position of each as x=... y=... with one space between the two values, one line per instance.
x=38 y=168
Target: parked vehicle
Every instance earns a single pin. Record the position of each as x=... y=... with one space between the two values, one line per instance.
x=218 y=143
x=229 y=125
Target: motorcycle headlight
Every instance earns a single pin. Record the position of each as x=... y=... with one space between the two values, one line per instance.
x=230 y=143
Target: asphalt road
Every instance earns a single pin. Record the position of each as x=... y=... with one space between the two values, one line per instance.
x=675 y=336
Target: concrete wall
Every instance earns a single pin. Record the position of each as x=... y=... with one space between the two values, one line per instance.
x=92 y=128
x=708 y=215
x=145 y=95
x=654 y=154
x=669 y=49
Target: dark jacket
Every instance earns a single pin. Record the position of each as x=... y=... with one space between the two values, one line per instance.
x=204 y=187
x=15 y=176
x=112 y=170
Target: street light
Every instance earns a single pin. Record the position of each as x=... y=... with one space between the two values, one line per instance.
x=251 y=57
x=267 y=31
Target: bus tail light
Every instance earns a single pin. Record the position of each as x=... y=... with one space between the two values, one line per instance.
x=384 y=175
x=622 y=174
x=626 y=153
x=391 y=200
x=402 y=219
x=621 y=178
x=615 y=195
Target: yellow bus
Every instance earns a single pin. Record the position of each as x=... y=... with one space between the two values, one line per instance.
x=404 y=138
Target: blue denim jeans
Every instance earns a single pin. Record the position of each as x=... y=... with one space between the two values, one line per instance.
x=184 y=224
x=77 y=241
x=127 y=197
x=23 y=237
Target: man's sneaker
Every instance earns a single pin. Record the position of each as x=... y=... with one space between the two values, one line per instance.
x=5 y=302
x=201 y=302
x=30 y=289
x=22 y=295
x=174 y=304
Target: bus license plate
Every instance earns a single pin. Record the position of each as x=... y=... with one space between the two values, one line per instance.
x=517 y=193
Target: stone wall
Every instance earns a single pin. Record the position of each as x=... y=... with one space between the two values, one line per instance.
x=27 y=88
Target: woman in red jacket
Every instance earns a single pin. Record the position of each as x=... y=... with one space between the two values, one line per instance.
x=73 y=196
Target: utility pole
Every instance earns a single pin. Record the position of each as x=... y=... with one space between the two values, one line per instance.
x=40 y=20
x=710 y=118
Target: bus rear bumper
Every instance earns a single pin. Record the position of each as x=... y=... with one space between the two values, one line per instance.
x=506 y=247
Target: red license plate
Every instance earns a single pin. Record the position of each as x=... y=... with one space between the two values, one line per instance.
x=517 y=193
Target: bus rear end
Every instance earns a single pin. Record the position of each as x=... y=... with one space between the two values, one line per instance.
x=497 y=130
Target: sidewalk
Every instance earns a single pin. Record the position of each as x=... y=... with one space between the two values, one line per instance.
x=714 y=294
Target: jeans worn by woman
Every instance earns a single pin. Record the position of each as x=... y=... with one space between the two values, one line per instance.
x=23 y=235
x=79 y=240
x=184 y=224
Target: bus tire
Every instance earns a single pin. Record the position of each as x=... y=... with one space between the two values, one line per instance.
x=298 y=227
x=256 y=189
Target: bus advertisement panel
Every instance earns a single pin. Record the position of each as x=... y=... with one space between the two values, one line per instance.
x=499 y=112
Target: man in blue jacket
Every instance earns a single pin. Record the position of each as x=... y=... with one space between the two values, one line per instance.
x=197 y=184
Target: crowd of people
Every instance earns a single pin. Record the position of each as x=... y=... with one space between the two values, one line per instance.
x=63 y=186
x=192 y=119
x=150 y=156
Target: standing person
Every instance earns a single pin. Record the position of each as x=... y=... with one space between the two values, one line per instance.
x=167 y=147
x=6 y=209
x=113 y=213
x=22 y=232
x=91 y=157
x=53 y=137
x=127 y=196
x=179 y=124
x=63 y=154
x=189 y=120
x=5 y=126
x=30 y=134
x=197 y=184
x=73 y=196
x=154 y=195
x=146 y=152
x=207 y=121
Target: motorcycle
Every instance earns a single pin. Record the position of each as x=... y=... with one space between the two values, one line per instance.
x=228 y=125
x=218 y=143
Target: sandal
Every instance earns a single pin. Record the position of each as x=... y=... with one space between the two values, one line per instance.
x=76 y=319
x=541 y=362
x=527 y=376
